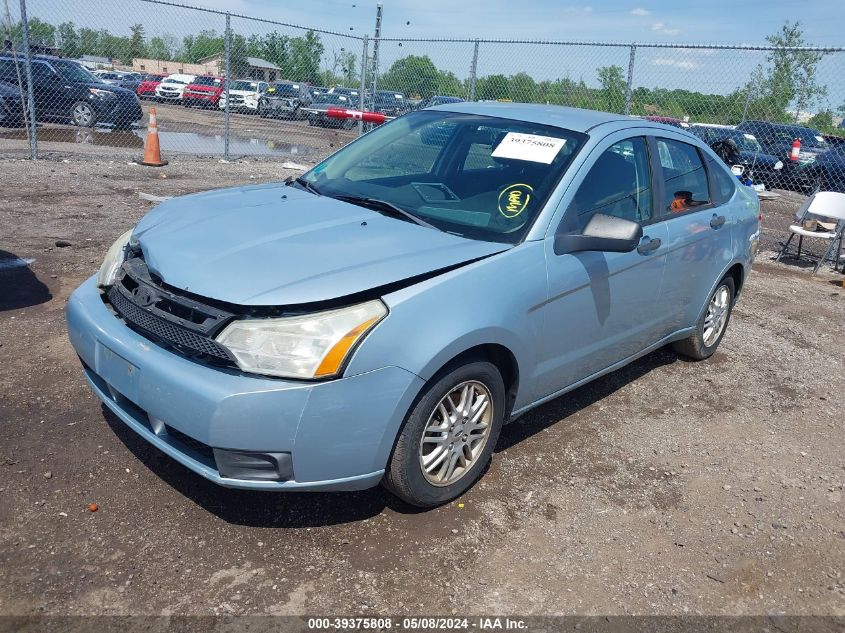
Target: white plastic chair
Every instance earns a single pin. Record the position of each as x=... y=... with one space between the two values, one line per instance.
x=823 y=204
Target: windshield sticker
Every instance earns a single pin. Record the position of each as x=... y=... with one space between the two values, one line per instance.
x=533 y=147
x=514 y=199
x=820 y=139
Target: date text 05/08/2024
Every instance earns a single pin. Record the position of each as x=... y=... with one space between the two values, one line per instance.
x=416 y=624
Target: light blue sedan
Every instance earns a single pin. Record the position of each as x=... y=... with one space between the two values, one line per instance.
x=381 y=317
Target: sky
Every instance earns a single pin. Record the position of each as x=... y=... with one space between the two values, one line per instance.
x=657 y=21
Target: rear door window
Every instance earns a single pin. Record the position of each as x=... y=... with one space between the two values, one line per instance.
x=684 y=178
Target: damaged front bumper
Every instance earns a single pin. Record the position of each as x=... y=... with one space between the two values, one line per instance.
x=237 y=430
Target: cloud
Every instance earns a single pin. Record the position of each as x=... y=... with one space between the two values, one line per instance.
x=683 y=64
x=660 y=27
x=640 y=11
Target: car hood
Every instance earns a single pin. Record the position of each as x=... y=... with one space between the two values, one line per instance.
x=758 y=158
x=277 y=245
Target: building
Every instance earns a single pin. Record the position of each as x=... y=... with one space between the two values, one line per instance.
x=93 y=62
x=257 y=68
x=170 y=67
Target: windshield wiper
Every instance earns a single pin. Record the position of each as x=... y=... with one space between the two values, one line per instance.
x=383 y=206
x=299 y=180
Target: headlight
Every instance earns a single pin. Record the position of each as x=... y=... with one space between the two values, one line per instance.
x=115 y=257
x=97 y=92
x=311 y=346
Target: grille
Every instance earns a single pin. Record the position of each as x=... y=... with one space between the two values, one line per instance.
x=184 y=340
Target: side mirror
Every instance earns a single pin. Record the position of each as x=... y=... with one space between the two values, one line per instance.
x=603 y=233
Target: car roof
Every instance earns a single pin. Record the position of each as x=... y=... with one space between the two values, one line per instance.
x=574 y=119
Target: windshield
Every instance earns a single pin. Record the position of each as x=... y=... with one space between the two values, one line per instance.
x=386 y=97
x=332 y=99
x=744 y=141
x=244 y=85
x=287 y=90
x=476 y=176
x=176 y=80
x=74 y=72
x=207 y=81
x=809 y=137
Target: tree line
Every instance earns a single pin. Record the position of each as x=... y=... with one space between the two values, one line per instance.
x=775 y=90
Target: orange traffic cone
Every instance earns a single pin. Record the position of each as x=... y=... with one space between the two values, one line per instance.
x=152 y=151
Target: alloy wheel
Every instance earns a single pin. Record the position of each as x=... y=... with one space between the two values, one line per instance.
x=456 y=433
x=83 y=114
x=717 y=309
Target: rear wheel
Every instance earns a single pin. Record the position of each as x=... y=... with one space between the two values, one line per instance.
x=711 y=325
x=448 y=436
x=83 y=114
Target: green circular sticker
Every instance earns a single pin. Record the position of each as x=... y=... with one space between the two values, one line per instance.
x=514 y=199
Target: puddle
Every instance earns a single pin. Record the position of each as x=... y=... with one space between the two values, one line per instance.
x=174 y=142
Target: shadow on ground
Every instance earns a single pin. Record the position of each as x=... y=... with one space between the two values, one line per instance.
x=19 y=286
x=294 y=510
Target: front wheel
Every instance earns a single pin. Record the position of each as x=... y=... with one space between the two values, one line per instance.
x=83 y=114
x=711 y=324
x=448 y=436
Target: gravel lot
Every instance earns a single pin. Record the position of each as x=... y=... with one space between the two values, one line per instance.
x=667 y=487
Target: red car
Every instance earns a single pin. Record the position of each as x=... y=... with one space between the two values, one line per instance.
x=204 y=91
x=147 y=88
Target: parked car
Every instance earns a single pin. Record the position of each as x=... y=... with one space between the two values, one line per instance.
x=127 y=80
x=316 y=91
x=828 y=170
x=758 y=165
x=244 y=95
x=380 y=320
x=317 y=111
x=149 y=82
x=67 y=92
x=388 y=103
x=351 y=94
x=435 y=101
x=777 y=139
x=11 y=107
x=204 y=91
x=172 y=87
x=667 y=120
x=285 y=100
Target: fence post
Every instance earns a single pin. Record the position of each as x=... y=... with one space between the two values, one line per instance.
x=629 y=88
x=33 y=138
x=376 y=39
x=227 y=80
x=363 y=86
x=473 y=72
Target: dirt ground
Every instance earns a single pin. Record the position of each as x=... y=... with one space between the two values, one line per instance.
x=668 y=487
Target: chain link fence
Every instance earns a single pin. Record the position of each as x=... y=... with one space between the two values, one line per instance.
x=230 y=85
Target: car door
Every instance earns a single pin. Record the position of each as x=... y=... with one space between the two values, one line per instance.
x=603 y=307
x=699 y=226
x=50 y=91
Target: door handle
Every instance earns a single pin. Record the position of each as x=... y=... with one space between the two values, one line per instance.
x=717 y=221
x=649 y=246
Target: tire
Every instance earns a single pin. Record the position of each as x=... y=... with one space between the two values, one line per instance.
x=702 y=345
x=476 y=381
x=83 y=114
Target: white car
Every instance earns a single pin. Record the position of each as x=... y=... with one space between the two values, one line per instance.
x=172 y=87
x=244 y=95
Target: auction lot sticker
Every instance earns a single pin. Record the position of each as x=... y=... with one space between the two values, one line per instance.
x=514 y=199
x=533 y=147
